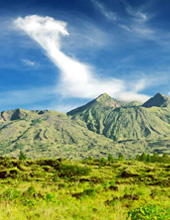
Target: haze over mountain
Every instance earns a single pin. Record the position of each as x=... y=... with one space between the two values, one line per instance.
x=102 y=126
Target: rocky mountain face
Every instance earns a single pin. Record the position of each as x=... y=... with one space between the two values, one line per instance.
x=102 y=126
x=127 y=122
x=158 y=100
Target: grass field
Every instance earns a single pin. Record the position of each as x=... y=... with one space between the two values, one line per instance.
x=95 y=189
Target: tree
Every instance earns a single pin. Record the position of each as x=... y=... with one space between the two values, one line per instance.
x=22 y=156
x=110 y=158
x=143 y=157
x=165 y=158
x=121 y=157
x=149 y=159
x=137 y=157
x=155 y=157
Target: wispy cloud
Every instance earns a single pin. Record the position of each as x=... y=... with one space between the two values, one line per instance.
x=28 y=62
x=135 y=22
x=77 y=79
x=108 y=14
x=135 y=12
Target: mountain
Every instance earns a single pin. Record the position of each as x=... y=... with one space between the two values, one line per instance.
x=122 y=123
x=102 y=126
x=104 y=101
x=49 y=134
x=158 y=100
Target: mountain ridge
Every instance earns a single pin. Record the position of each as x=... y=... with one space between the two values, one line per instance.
x=158 y=100
x=102 y=126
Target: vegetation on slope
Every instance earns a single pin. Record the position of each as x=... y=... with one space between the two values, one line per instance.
x=102 y=126
x=158 y=100
x=49 y=134
x=92 y=189
x=124 y=123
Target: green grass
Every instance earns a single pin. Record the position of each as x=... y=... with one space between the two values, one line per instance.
x=64 y=189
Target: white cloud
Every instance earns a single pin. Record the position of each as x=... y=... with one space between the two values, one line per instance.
x=77 y=79
x=28 y=62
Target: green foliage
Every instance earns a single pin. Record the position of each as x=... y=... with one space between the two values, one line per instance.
x=22 y=156
x=50 y=197
x=99 y=194
x=103 y=160
x=106 y=185
x=100 y=166
x=72 y=171
x=121 y=157
x=89 y=192
x=55 y=177
x=31 y=190
x=11 y=194
x=37 y=121
x=110 y=158
x=165 y=158
x=150 y=211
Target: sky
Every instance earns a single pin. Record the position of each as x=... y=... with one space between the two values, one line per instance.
x=60 y=54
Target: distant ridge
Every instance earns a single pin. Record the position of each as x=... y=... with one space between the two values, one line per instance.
x=158 y=100
x=106 y=116
x=102 y=126
x=102 y=100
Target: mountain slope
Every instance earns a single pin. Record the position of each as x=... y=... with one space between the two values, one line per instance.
x=102 y=126
x=49 y=134
x=124 y=123
x=158 y=100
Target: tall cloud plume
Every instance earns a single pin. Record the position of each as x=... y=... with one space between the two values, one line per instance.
x=77 y=79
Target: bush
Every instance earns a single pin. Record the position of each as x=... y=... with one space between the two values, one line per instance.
x=151 y=211
x=50 y=197
x=121 y=157
x=22 y=156
x=55 y=177
x=31 y=190
x=11 y=194
x=103 y=161
x=89 y=192
x=72 y=171
x=110 y=158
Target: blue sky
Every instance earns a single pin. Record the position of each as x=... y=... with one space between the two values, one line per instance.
x=61 y=54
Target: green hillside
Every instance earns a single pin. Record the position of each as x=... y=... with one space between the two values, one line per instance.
x=124 y=123
x=130 y=124
x=158 y=100
x=48 y=134
x=102 y=126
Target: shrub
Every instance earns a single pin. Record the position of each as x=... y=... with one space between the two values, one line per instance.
x=22 y=156
x=50 y=197
x=121 y=157
x=110 y=158
x=11 y=194
x=89 y=192
x=55 y=177
x=31 y=190
x=151 y=211
x=103 y=161
x=72 y=170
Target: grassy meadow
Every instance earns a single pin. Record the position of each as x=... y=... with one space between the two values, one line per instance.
x=98 y=189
